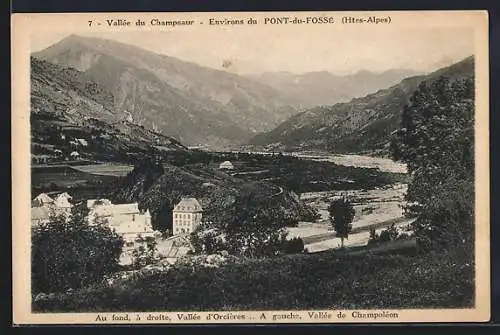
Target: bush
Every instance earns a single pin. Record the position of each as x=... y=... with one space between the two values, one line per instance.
x=435 y=280
x=293 y=246
x=448 y=219
x=388 y=234
x=145 y=252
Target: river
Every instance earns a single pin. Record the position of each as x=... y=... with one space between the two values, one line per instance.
x=378 y=207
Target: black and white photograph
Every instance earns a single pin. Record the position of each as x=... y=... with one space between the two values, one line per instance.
x=252 y=167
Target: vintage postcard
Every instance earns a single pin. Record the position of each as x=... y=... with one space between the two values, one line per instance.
x=250 y=167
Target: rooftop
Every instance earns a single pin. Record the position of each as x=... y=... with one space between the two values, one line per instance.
x=111 y=209
x=43 y=198
x=226 y=165
x=188 y=205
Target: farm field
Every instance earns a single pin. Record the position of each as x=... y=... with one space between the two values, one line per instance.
x=106 y=169
x=63 y=176
x=80 y=184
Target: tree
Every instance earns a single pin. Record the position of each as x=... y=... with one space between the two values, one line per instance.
x=145 y=252
x=341 y=214
x=258 y=225
x=436 y=141
x=207 y=239
x=68 y=252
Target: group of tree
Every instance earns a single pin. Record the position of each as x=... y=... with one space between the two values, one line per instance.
x=69 y=253
x=388 y=234
x=436 y=141
x=256 y=226
x=145 y=252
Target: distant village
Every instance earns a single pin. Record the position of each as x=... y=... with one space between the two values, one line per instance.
x=75 y=144
x=132 y=224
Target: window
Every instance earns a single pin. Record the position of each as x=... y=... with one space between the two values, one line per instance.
x=189 y=216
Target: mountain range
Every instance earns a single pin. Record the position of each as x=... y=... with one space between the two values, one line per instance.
x=194 y=104
x=361 y=125
x=326 y=88
x=67 y=105
x=201 y=106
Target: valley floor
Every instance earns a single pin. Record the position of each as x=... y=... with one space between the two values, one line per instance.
x=377 y=208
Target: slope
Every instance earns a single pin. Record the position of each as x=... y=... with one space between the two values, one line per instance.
x=71 y=112
x=325 y=88
x=195 y=104
x=159 y=188
x=361 y=125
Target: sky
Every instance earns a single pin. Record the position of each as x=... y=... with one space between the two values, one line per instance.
x=252 y=51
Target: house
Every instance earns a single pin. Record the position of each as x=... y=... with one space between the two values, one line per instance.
x=186 y=216
x=42 y=199
x=126 y=219
x=62 y=202
x=75 y=155
x=227 y=165
x=43 y=207
x=40 y=214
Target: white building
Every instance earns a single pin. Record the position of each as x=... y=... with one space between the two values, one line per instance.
x=227 y=165
x=126 y=219
x=62 y=202
x=43 y=207
x=186 y=216
x=42 y=199
x=40 y=215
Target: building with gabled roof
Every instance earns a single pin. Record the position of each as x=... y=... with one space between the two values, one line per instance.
x=186 y=216
x=42 y=199
x=41 y=214
x=126 y=219
x=43 y=207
